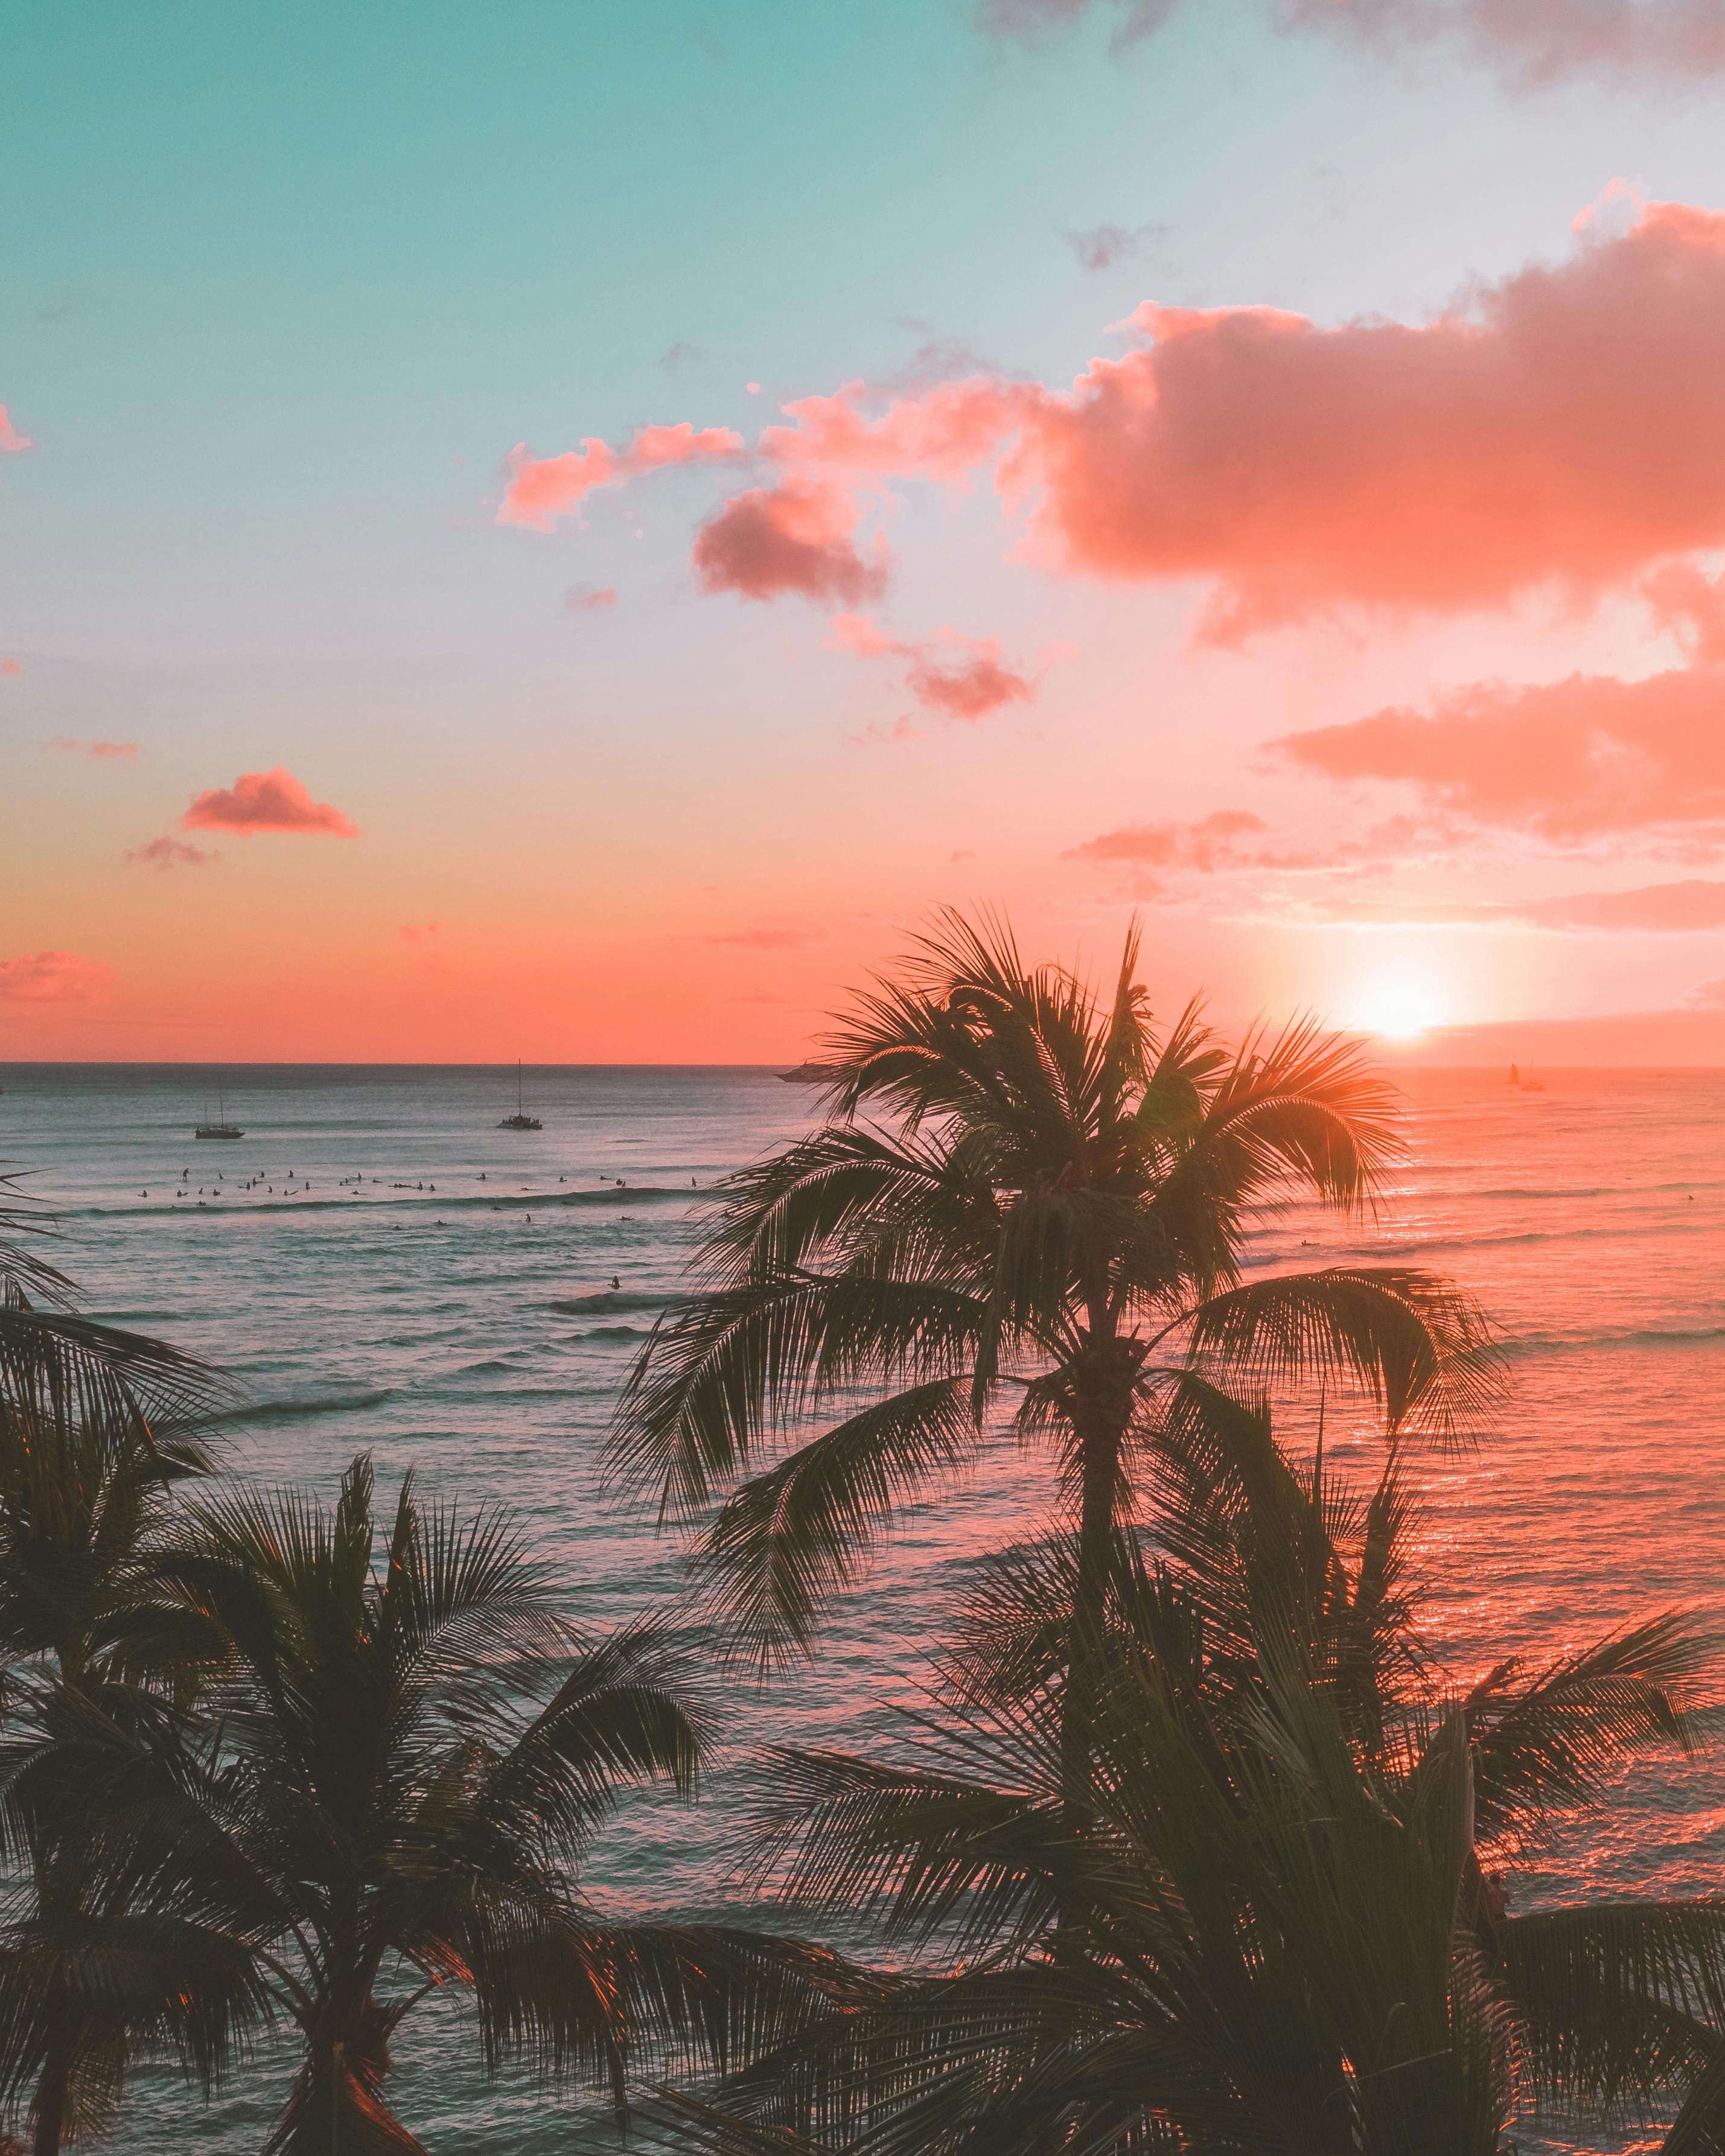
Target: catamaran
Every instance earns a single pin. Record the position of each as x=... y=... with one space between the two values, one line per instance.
x=521 y=1120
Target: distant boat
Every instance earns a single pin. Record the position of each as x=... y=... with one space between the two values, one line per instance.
x=218 y=1126
x=1515 y=1075
x=812 y=1074
x=521 y=1120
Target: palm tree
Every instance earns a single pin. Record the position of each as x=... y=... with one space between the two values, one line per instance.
x=97 y=1428
x=1279 y=1927
x=411 y=1753
x=1056 y=1206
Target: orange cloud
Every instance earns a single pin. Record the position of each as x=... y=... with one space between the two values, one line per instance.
x=265 y=801
x=1208 y=845
x=1587 y=757
x=1559 y=429
x=793 y=537
x=542 y=489
x=412 y=933
x=105 y=752
x=769 y=939
x=964 y=677
x=590 y=598
x=161 y=853
x=12 y=443
x=51 y=977
x=1654 y=909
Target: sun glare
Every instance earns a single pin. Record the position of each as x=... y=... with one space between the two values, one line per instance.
x=1399 y=1005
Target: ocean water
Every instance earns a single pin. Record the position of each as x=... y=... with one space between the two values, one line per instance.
x=385 y=1268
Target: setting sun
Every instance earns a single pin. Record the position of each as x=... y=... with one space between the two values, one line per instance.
x=1399 y=1004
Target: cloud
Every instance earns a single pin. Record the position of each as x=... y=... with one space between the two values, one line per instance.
x=1581 y=759
x=959 y=676
x=1691 y=607
x=12 y=443
x=1207 y=845
x=10 y=666
x=412 y=933
x=163 y=853
x=682 y=353
x=590 y=598
x=1709 y=996
x=542 y=489
x=1029 y=20
x=1654 y=909
x=51 y=977
x=1558 y=430
x=1530 y=42
x=265 y=801
x=1103 y=245
x=1533 y=41
x=793 y=537
x=105 y=752
x=769 y=939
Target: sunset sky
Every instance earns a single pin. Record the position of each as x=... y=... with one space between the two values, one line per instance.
x=564 y=531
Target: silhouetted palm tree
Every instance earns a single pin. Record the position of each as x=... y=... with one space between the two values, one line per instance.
x=1055 y=1207
x=1276 y=1927
x=411 y=1754
x=97 y=1426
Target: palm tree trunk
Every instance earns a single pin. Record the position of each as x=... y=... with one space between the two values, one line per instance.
x=51 y=2090
x=1099 y=1467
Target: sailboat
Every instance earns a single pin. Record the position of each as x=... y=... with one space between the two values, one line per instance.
x=521 y=1120
x=220 y=1127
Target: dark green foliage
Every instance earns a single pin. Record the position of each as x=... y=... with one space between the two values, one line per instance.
x=1275 y=1926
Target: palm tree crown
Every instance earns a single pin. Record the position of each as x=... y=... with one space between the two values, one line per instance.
x=410 y=1753
x=1019 y=1189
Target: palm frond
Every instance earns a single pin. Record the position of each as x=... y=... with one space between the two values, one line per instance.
x=733 y=1367
x=787 y=1540
x=1414 y=1343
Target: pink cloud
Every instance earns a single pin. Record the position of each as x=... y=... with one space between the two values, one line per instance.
x=10 y=666
x=1654 y=909
x=969 y=687
x=793 y=537
x=1531 y=41
x=105 y=752
x=769 y=939
x=1584 y=758
x=961 y=677
x=412 y=933
x=590 y=598
x=1207 y=845
x=13 y=444
x=51 y=977
x=1560 y=428
x=1534 y=41
x=542 y=489
x=1691 y=607
x=265 y=801
x=163 y=853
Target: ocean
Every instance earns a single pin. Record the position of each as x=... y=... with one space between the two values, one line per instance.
x=385 y=1269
